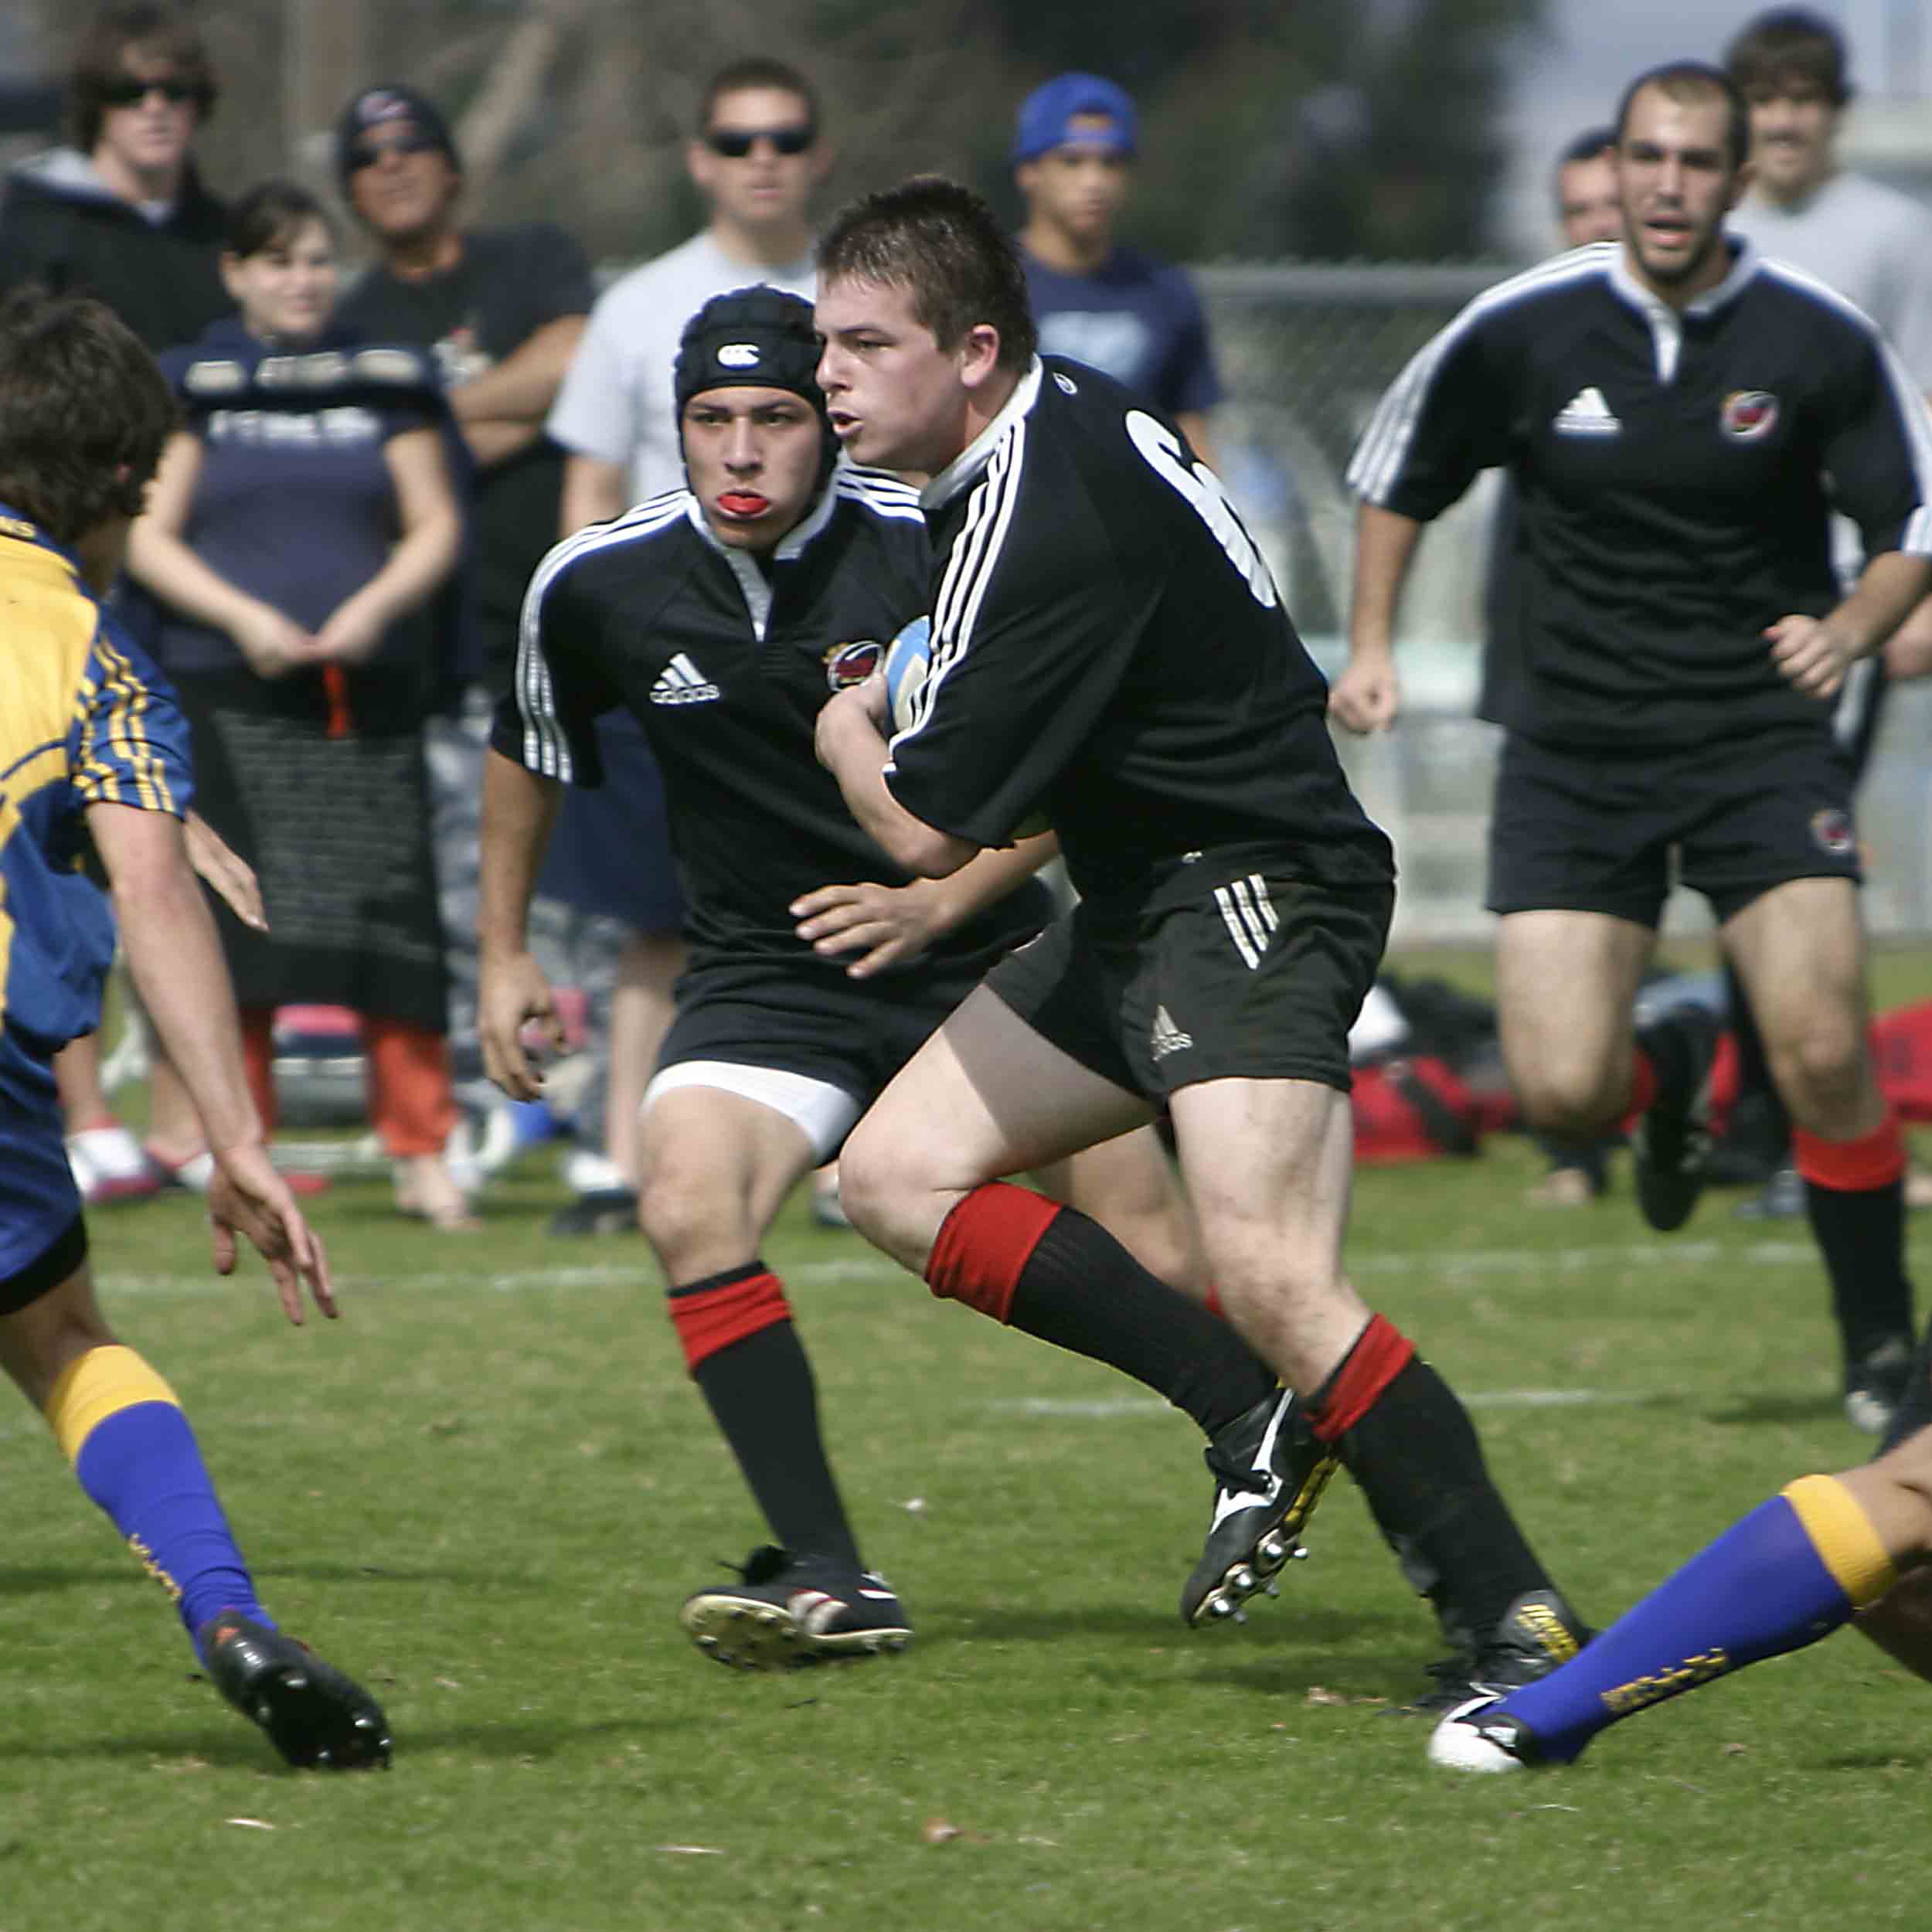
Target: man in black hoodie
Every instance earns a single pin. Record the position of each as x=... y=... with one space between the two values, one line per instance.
x=122 y=214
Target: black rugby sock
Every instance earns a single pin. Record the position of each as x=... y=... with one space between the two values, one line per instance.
x=1855 y=1198
x=1415 y=1456
x=1080 y=1289
x=748 y=1362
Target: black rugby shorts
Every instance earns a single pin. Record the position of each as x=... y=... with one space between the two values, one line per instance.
x=1593 y=831
x=1255 y=976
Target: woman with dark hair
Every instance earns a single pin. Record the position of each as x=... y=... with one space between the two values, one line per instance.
x=303 y=510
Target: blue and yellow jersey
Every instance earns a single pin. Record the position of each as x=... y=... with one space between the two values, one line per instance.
x=85 y=718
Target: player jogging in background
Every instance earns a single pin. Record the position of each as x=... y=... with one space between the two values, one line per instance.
x=92 y=748
x=1110 y=654
x=721 y=617
x=1670 y=408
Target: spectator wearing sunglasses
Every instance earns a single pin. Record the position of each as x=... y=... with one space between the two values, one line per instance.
x=121 y=214
x=758 y=153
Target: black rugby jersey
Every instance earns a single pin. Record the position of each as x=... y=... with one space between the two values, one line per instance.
x=727 y=667
x=1674 y=475
x=1109 y=652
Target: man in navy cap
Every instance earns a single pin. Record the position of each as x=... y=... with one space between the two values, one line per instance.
x=1134 y=318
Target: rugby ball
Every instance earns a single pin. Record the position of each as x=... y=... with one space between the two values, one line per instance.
x=908 y=658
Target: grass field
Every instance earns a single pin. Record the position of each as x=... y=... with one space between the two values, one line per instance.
x=486 y=1490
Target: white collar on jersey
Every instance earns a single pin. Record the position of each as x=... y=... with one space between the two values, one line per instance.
x=1666 y=323
x=965 y=467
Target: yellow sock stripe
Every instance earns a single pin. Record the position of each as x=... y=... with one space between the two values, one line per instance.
x=96 y=1386
x=1842 y=1532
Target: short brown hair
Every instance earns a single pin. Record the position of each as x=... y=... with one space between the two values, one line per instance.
x=942 y=244
x=1686 y=81
x=758 y=70
x=84 y=412
x=1788 y=44
x=100 y=61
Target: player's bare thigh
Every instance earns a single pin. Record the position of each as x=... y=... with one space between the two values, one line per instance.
x=715 y=1168
x=1268 y=1165
x=1800 y=950
x=985 y=1096
x=1895 y=1492
x=1564 y=985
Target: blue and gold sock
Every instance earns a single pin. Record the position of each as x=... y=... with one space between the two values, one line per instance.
x=122 y=1427
x=1789 y=1573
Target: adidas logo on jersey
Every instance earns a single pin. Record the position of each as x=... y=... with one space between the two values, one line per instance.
x=1166 y=1038
x=683 y=682
x=1586 y=414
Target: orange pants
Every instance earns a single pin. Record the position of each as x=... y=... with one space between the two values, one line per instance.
x=410 y=1102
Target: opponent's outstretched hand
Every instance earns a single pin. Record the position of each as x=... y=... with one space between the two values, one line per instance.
x=246 y=1196
x=219 y=865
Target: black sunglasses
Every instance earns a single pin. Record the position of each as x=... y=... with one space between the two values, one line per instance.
x=132 y=93
x=735 y=143
x=367 y=154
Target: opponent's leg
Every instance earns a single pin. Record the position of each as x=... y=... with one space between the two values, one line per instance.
x=641 y=1010
x=1824 y=1549
x=1268 y=1165
x=123 y=1429
x=716 y=1166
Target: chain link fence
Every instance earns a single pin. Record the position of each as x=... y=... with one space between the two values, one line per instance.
x=1306 y=351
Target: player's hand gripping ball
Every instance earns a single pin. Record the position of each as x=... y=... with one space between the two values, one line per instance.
x=908 y=658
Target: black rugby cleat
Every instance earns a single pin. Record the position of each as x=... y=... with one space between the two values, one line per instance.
x=1269 y=1472
x=786 y=1610
x=316 y=1717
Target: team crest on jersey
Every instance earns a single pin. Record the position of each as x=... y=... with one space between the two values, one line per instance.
x=1067 y=383
x=850 y=664
x=1833 y=830
x=1748 y=413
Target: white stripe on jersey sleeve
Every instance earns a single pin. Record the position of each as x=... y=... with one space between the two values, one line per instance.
x=1914 y=418
x=1376 y=465
x=879 y=490
x=975 y=556
x=546 y=748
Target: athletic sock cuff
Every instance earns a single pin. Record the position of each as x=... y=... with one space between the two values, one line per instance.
x=985 y=1243
x=1842 y=1534
x=1377 y=1356
x=1875 y=1160
x=712 y=1315
x=97 y=1384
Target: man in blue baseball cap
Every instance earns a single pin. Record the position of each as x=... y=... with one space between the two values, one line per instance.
x=1134 y=317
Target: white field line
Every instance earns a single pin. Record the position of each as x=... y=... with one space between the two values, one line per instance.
x=1454 y=1265
x=1107 y=1408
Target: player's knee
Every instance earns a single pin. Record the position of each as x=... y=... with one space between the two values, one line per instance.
x=681 y=1211
x=1567 y=1100
x=1822 y=1069
x=878 y=1186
